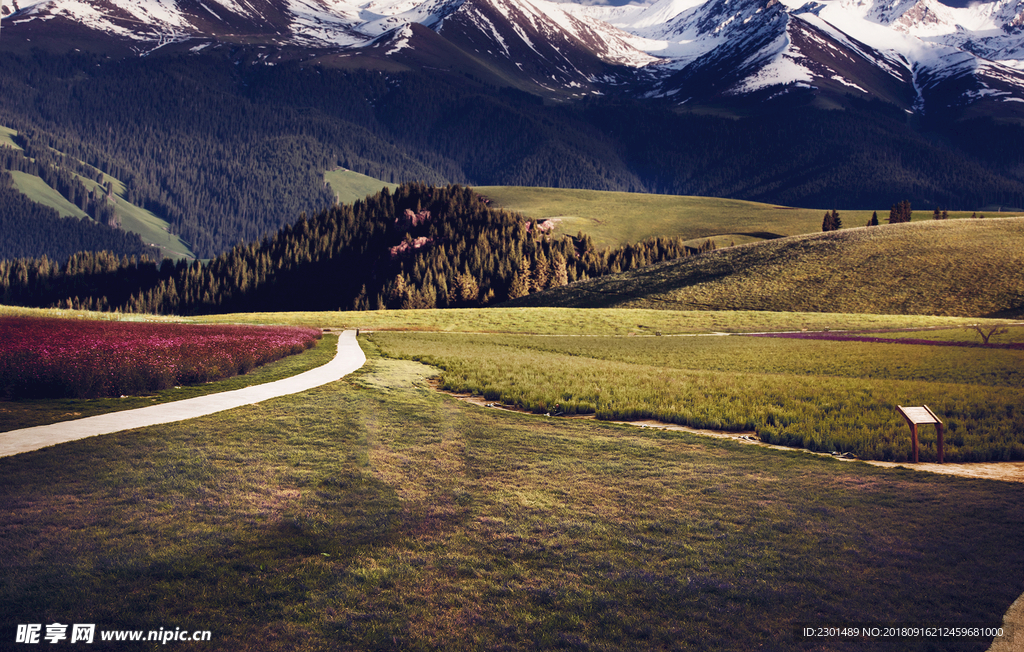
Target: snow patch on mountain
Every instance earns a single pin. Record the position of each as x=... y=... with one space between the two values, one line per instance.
x=783 y=71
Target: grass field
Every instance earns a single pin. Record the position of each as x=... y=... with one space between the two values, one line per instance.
x=585 y=321
x=349 y=186
x=614 y=218
x=819 y=395
x=376 y=514
x=954 y=267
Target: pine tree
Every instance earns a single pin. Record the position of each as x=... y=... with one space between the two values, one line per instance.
x=540 y=278
x=464 y=291
x=559 y=271
x=520 y=286
x=831 y=221
x=900 y=213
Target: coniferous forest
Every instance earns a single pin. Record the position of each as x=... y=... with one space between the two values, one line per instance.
x=419 y=247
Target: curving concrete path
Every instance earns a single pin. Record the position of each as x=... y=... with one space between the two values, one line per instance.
x=348 y=358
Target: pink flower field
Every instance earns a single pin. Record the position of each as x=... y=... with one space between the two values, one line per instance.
x=64 y=358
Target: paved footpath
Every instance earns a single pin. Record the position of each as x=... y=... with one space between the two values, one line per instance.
x=349 y=358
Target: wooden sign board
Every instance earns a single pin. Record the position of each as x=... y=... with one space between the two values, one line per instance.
x=916 y=416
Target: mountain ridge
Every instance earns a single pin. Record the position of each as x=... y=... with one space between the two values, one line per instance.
x=920 y=55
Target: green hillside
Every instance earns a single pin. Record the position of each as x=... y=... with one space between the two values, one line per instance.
x=960 y=267
x=7 y=138
x=38 y=191
x=349 y=186
x=147 y=225
x=614 y=218
x=151 y=228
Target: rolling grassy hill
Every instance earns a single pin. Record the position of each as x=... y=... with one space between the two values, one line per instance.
x=614 y=218
x=959 y=267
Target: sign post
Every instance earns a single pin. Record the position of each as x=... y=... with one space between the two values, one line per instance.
x=921 y=415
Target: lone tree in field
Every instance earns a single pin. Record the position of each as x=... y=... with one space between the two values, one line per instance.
x=874 y=219
x=987 y=332
x=831 y=221
x=940 y=214
x=900 y=213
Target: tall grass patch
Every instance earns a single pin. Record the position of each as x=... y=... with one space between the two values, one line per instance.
x=819 y=395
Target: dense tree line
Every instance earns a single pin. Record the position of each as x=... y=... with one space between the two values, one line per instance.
x=228 y=151
x=419 y=247
x=195 y=142
x=798 y=156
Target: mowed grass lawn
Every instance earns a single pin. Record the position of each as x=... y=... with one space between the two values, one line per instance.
x=377 y=514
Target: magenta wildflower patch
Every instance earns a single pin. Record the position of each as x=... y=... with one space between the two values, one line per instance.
x=63 y=358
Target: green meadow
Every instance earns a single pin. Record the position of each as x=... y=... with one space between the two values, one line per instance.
x=614 y=218
x=375 y=513
x=819 y=395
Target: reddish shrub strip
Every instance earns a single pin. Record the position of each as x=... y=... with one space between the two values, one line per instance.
x=842 y=337
x=62 y=358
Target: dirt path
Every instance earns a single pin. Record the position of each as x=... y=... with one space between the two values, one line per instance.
x=1006 y=471
x=348 y=358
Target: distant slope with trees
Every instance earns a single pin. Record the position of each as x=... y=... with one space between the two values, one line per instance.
x=419 y=247
x=229 y=150
x=31 y=230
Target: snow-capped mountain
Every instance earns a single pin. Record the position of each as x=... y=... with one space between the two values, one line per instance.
x=920 y=55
